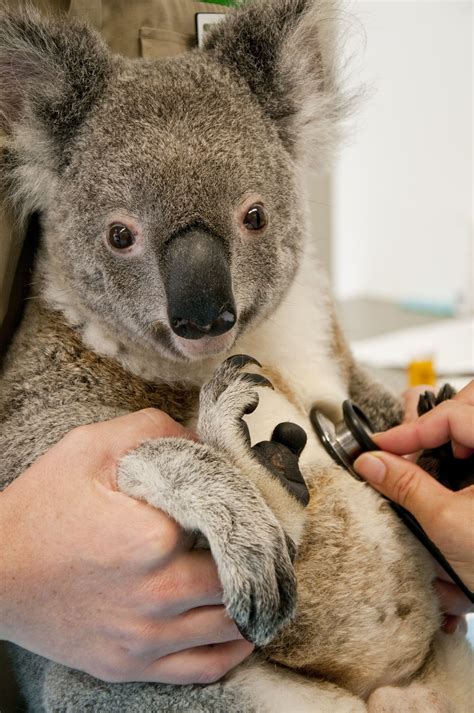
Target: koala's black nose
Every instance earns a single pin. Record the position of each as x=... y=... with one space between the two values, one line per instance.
x=198 y=284
x=216 y=324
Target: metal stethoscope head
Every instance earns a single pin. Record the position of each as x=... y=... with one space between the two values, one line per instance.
x=345 y=442
x=348 y=439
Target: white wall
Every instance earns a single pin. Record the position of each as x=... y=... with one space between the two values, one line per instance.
x=402 y=199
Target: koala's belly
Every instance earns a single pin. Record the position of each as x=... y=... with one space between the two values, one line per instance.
x=366 y=613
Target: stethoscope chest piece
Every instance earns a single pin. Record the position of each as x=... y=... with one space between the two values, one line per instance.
x=346 y=440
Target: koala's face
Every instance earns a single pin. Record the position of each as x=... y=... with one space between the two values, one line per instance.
x=169 y=188
x=177 y=220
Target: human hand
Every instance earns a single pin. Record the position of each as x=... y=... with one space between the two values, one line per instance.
x=454 y=604
x=103 y=583
x=447 y=517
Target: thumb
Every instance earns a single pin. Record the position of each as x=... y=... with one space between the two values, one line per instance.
x=403 y=482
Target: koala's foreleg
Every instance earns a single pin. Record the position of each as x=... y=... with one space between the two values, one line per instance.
x=230 y=395
x=205 y=493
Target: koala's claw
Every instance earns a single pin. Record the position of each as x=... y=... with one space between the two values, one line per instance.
x=257 y=380
x=241 y=360
x=428 y=400
x=445 y=393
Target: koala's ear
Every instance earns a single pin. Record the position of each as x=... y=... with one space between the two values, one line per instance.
x=51 y=74
x=284 y=49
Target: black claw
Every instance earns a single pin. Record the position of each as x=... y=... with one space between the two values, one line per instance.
x=246 y=629
x=445 y=393
x=290 y=435
x=241 y=360
x=426 y=402
x=257 y=380
x=251 y=406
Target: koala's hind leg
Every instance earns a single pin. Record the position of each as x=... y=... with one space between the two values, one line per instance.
x=444 y=685
x=415 y=698
x=274 y=689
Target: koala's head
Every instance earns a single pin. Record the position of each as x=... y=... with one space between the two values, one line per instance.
x=169 y=188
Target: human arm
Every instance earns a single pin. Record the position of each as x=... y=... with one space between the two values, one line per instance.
x=100 y=582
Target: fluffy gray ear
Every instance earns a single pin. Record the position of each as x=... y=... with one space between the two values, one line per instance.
x=285 y=51
x=51 y=73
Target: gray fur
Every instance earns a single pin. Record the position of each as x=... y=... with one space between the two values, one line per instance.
x=378 y=403
x=167 y=145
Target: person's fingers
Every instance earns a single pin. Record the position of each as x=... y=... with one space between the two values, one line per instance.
x=466 y=395
x=446 y=516
x=115 y=438
x=197 y=627
x=203 y=664
x=453 y=601
x=410 y=399
x=126 y=432
x=448 y=421
x=190 y=580
x=403 y=482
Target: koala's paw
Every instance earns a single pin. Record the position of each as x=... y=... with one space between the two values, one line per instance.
x=225 y=399
x=416 y=698
x=429 y=399
x=453 y=473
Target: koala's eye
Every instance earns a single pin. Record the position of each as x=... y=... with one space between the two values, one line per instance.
x=120 y=236
x=256 y=217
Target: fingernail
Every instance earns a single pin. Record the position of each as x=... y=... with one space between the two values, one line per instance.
x=373 y=469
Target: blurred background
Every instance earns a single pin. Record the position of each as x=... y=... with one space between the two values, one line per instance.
x=395 y=219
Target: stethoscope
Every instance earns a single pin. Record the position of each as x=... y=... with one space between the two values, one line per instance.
x=347 y=440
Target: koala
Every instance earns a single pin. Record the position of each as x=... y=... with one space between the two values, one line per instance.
x=175 y=240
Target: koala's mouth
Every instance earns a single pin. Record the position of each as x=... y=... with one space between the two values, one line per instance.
x=191 y=349
x=205 y=346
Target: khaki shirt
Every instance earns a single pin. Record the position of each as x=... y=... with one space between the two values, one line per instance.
x=138 y=28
